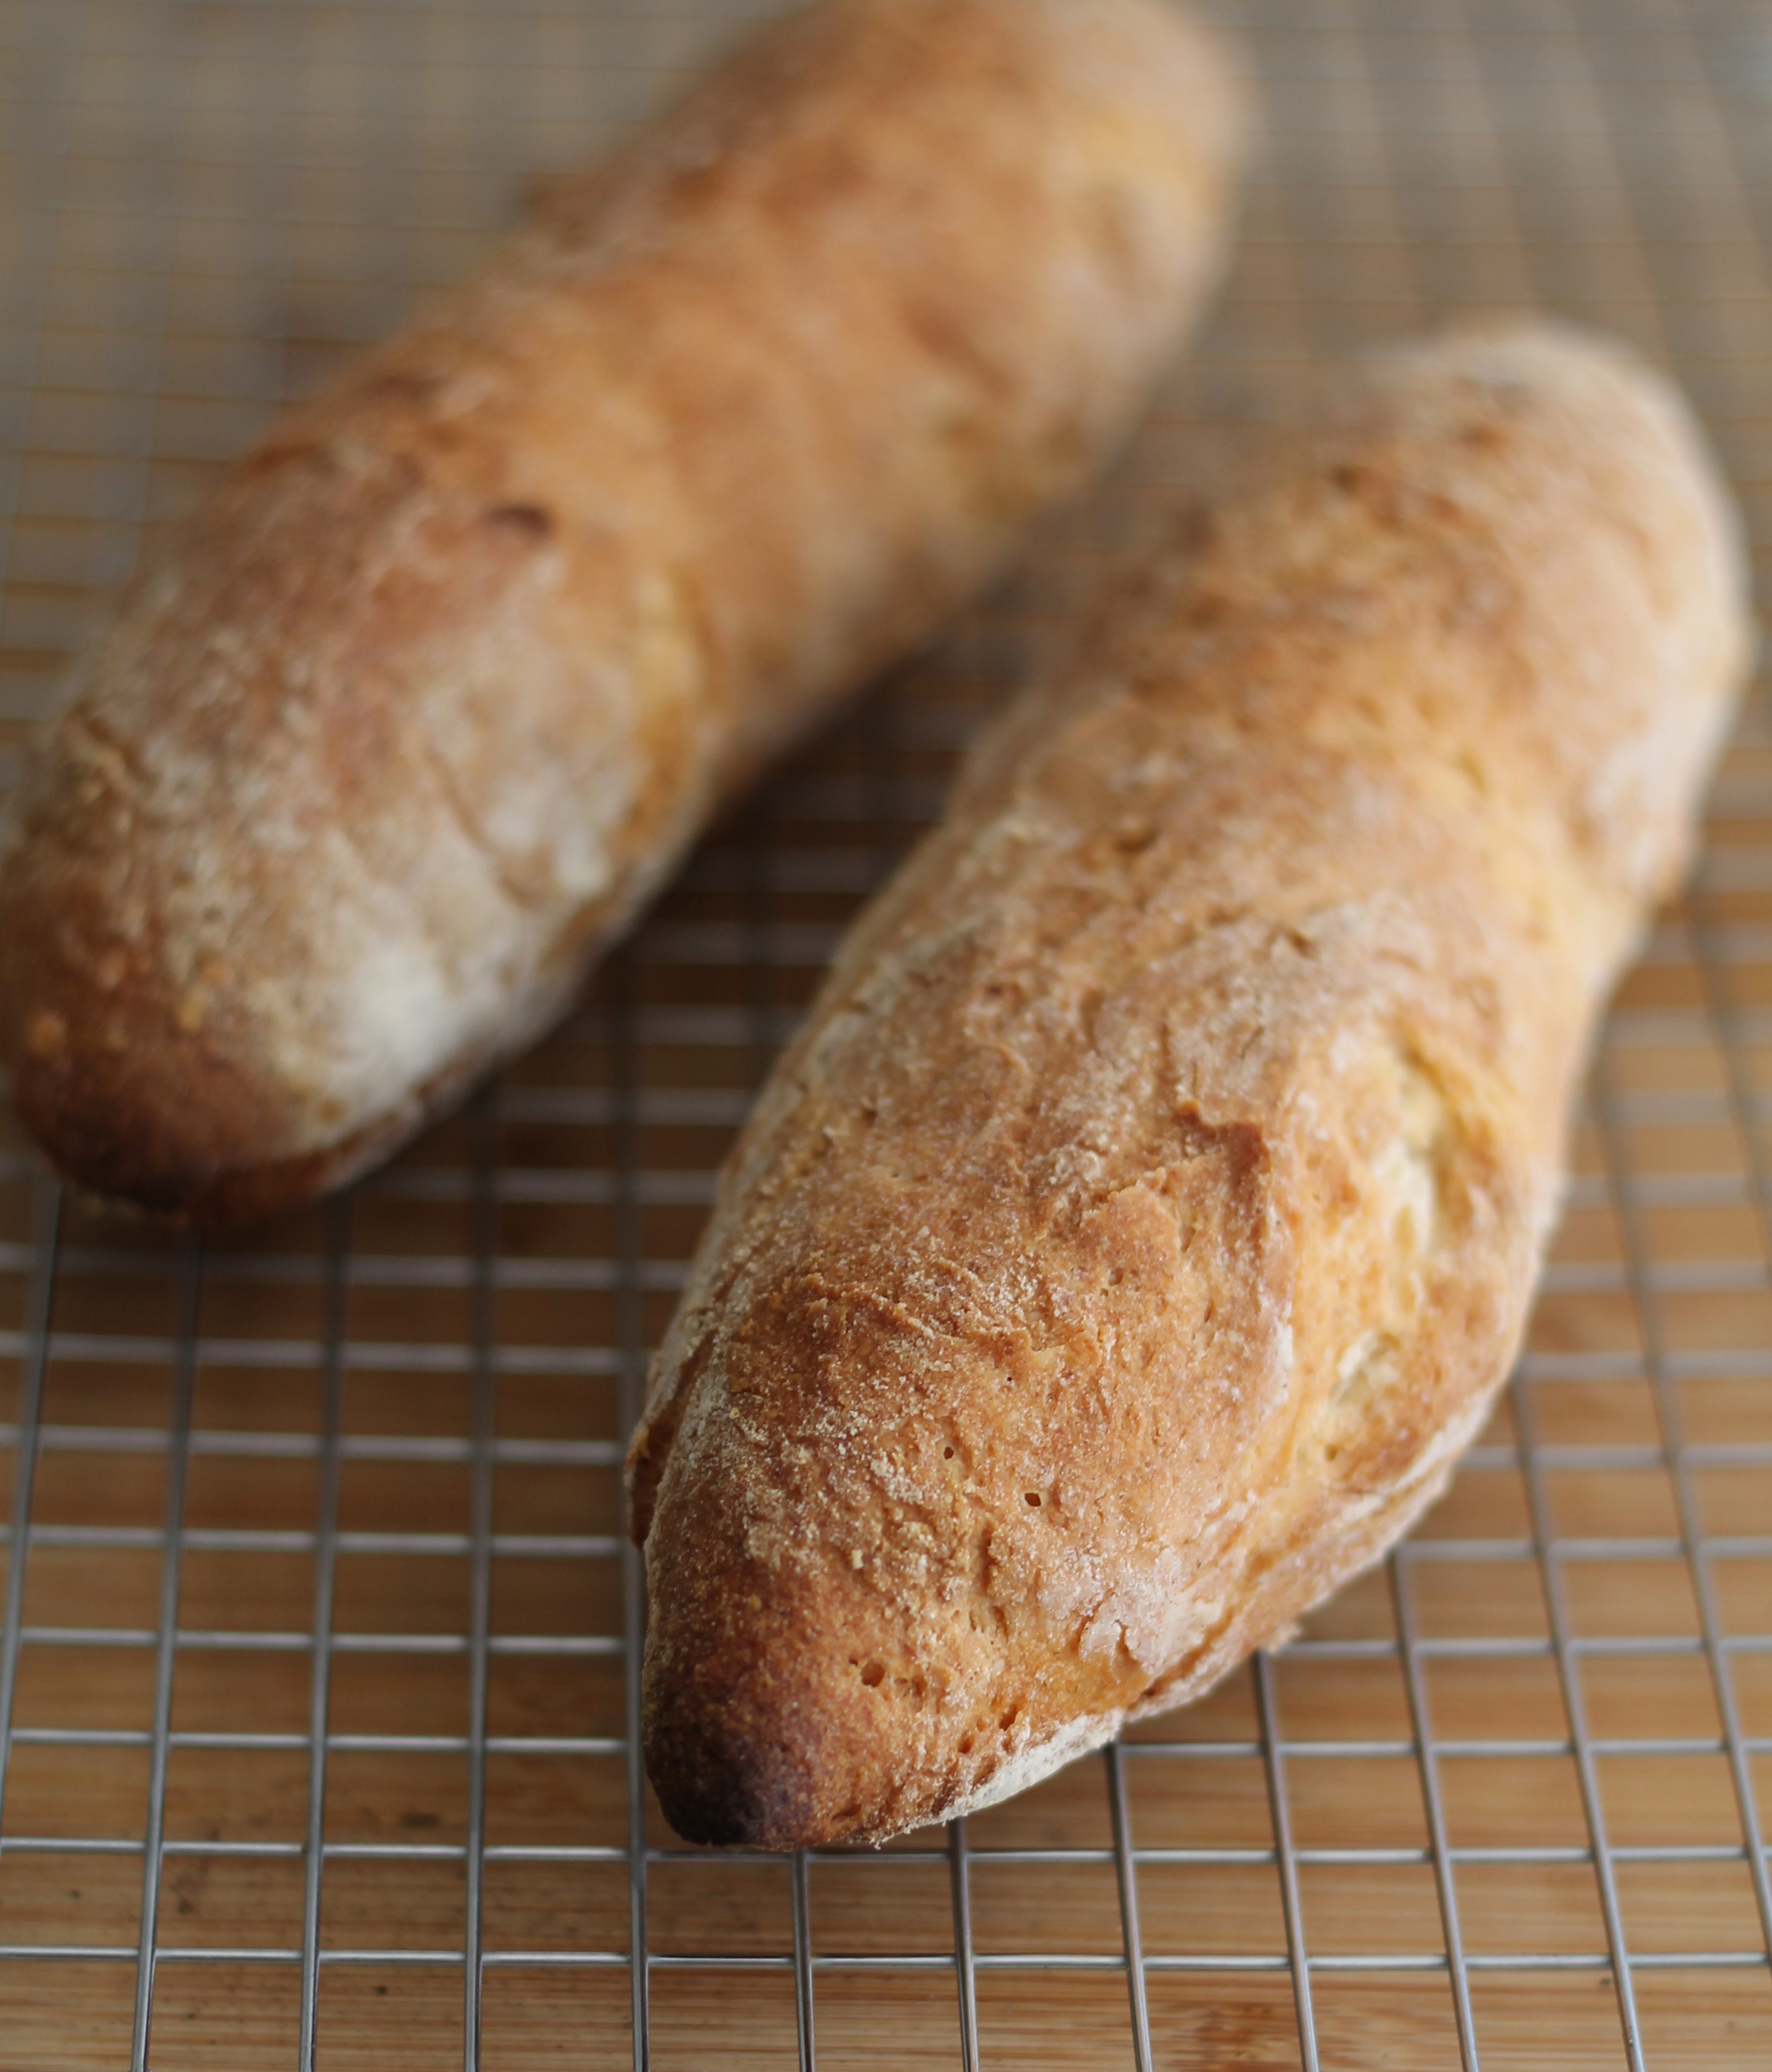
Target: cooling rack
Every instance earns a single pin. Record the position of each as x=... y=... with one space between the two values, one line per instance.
x=317 y=1671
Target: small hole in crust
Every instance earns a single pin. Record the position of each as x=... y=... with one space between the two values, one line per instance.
x=527 y=521
x=1034 y=1498
x=965 y=1743
x=874 y=1675
x=947 y=1453
x=1009 y=1718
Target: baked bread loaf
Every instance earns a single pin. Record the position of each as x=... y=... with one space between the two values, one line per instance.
x=1148 y=1213
x=441 y=682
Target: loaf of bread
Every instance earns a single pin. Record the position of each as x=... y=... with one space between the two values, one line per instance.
x=442 y=681
x=1149 y=1212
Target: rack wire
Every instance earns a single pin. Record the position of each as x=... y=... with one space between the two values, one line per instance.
x=317 y=1680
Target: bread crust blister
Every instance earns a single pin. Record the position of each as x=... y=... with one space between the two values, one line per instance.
x=1149 y=1210
x=429 y=696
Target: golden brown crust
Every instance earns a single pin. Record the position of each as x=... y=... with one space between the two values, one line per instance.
x=448 y=673
x=1149 y=1210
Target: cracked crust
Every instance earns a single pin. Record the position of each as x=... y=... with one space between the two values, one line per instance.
x=433 y=692
x=1149 y=1210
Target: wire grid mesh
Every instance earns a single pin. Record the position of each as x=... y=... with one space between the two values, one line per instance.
x=317 y=1680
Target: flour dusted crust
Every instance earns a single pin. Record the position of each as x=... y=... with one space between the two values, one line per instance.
x=1149 y=1210
x=434 y=691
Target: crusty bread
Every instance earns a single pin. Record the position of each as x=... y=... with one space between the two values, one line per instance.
x=1149 y=1212
x=445 y=677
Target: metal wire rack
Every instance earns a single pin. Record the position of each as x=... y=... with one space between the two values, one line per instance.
x=316 y=1675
